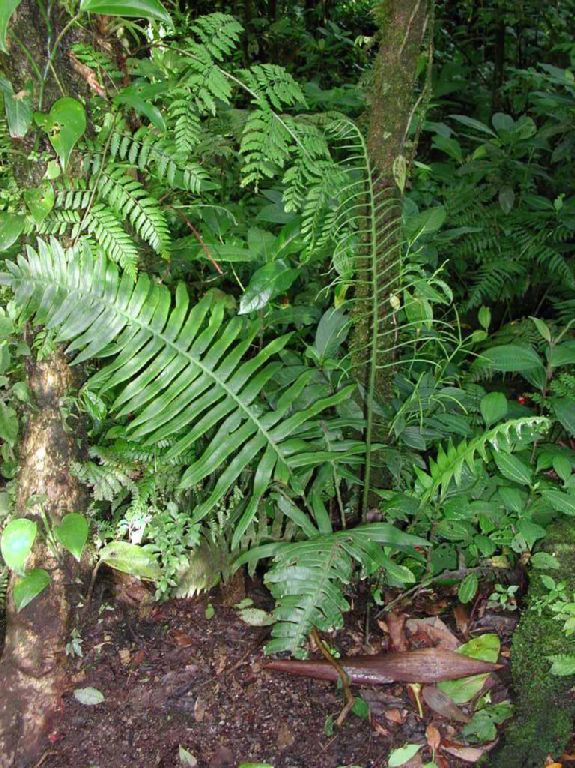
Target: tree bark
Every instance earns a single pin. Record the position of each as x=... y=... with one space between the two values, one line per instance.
x=32 y=668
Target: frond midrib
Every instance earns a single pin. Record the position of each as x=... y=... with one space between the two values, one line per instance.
x=135 y=321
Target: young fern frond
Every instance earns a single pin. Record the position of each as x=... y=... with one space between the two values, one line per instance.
x=449 y=465
x=178 y=371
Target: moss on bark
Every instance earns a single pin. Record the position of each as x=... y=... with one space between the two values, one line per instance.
x=544 y=704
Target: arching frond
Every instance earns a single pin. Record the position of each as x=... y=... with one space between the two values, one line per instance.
x=177 y=371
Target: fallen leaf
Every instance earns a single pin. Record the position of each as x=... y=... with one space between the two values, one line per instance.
x=89 y=696
x=180 y=639
x=396 y=628
x=200 y=708
x=467 y=754
x=186 y=758
x=433 y=631
x=462 y=617
x=433 y=737
x=441 y=704
x=285 y=737
x=124 y=654
x=394 y=716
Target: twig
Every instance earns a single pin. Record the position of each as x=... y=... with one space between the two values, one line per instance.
x=347 y=694
x=199 y=238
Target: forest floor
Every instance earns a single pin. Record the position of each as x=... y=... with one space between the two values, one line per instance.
x=190 y=675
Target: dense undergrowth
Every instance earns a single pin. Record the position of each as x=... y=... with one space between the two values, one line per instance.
x=207 y=235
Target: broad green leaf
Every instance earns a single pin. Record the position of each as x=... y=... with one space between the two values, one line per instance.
x=265 y=284
x=65 y=125
x=542 y=327
x=484 y=317
x=29 y=587
x=562 y=354
x=468 y=588
x=563 y=665
x=486 y=648
x=511 y=358
x=18 y=107
x=141 y=9
x=563 y=466
x=17 y=541
x=560 y=501
x=398 y=757
x=426 y=222
x=89 y=696
x=493 y=407
x=506 y=199
x=470 y=122
x=7 y=8
x=139 y=97
x=564 y=408
x=530 y=531
x=331 y=333
x=11 y=226
x=8 y=424
x=72 y=533
x=513 y=468
x=132 y=559
x=40 y=201
x=544 y=560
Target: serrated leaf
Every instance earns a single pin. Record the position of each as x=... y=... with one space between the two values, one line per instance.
x=72 y=533
x=512 y=358
x=562 y=354
x=493 y=407
x=89 y=696
x=17 y=541
x=468 y=588
x=513 y=468
x=29 y=587
x=544 y=560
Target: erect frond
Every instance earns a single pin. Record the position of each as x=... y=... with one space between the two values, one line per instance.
x=178 y=371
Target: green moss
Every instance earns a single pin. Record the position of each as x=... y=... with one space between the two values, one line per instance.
x=545 y=706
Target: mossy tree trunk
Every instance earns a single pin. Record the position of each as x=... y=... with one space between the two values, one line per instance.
x=32 y=668
x=395 y=99
x=544 y=704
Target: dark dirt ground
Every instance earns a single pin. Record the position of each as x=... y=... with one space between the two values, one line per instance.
x=172 y=677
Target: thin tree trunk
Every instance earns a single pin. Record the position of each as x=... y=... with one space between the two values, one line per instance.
x=32 y=668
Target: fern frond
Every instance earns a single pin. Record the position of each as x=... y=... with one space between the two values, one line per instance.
x=449 y=464
x=180 y=372
x=308 y=578
x=111 y=236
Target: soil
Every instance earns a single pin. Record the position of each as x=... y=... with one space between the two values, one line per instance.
x=172 y=677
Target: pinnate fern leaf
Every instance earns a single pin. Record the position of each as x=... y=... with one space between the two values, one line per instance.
x=178 y=371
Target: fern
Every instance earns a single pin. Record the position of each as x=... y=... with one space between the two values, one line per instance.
x=183 y=372
x=308 y=578
x=449 y=465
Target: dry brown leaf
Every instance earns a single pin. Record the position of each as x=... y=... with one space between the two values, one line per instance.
x=426 y=665
x=467 y=754
x=396 y=628
x=462 y=618
x=433 y=737
x=180 y=639
x=124 y=654
x=441 y=704
x=200 y=708
x=394 y=716
x=285 y=737
x=380 y=730
x=433 y=631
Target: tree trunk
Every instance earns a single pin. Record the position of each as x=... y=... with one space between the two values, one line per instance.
x=32 y=668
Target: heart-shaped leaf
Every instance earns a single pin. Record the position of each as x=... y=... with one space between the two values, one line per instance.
x=141 y=9
x=17 y=541
x=40 y=201
x=29 y=587
x=65 y=124
x=72 y=533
